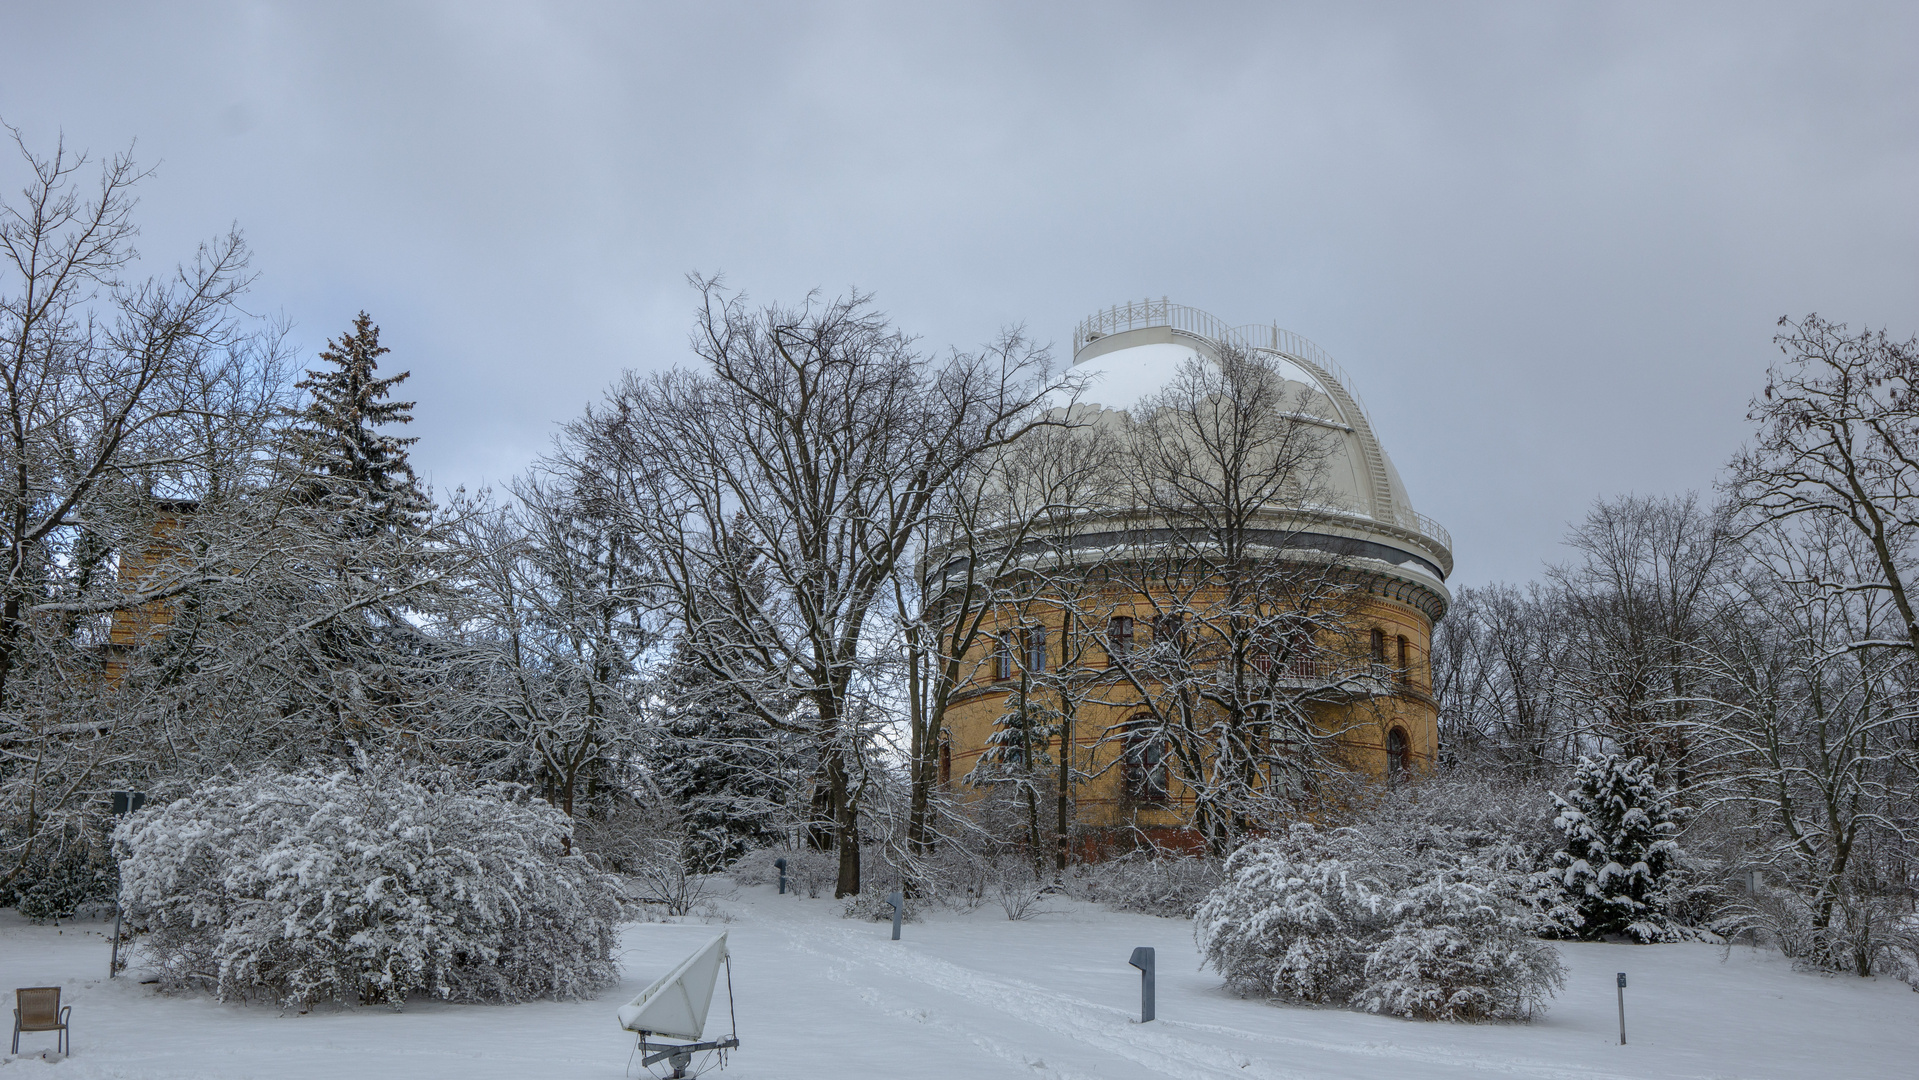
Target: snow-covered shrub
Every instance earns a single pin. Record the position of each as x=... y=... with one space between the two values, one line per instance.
x=1461 y=816
x=1343 y=917
x=1011 y=882
x=1614 y=870
x=1457 y=948
x=870 y=905
x=58 y=883
x=808 y=872
x=366 y=885
x=1290 y=924
x=1150 y=883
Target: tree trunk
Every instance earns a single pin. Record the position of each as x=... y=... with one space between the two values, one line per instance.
x=846 y=824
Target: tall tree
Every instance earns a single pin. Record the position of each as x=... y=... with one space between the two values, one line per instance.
x=1635 y=606
x=725 y=770
x=348 y=465
x=557 y=625
x=1838 y=438
x=805 y=456
x=357 y=561
x=118 y=393
x=1806 y=743
x=1224 y=467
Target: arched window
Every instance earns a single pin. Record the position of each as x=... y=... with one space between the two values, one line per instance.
x=1399 y=756
x=1119 y=636
x=1003 y=656
x=946 y=762
x=1379 y=645
x=1405 y=660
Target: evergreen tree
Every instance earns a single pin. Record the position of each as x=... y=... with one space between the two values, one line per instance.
x=721 y=767
x=351 y=565
x=1615 y=869
x=346 y=465
x=1016 y=756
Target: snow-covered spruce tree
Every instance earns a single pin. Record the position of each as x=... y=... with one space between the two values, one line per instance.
x=720 y=766
x=1619 y=825
x=353 y=563
x=1015 y=759
x=370 y=884
x=348 y=467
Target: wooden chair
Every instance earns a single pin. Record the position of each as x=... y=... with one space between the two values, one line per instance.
x=37 y=1008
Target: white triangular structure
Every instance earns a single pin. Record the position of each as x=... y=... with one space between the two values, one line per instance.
x=676 y=1004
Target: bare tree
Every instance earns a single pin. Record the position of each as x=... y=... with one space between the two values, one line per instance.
x=1251 y=632
x=1002 y=547
x=1633 y=604
x=119 y=393
x=806 y=456
x=1839 y=438
x=1806 y=743
x=1502 y=662
x=558 y=622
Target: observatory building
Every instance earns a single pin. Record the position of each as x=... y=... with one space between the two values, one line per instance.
x=1361 y=676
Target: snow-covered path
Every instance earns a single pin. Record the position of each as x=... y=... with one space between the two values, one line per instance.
x=977 y=996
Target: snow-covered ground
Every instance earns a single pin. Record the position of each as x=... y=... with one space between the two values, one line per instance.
x=973 y=995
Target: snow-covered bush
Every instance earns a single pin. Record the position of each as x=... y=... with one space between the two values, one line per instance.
x=1457 y=947
x=1615 y=869
x=368 y=885
x=58 y=883
x=1150 y=883
x=870 y=905
x=1290 y=923
x=1338 y=917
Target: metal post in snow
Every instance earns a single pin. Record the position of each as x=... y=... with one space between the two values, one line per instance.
x=899 y=908
x=1143 y=960
x=1622 y=1008
x=781 y=864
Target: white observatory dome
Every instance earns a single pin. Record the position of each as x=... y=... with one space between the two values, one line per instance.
x=1132 y=351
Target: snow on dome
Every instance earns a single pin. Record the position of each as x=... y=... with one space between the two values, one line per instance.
x=1133 y=351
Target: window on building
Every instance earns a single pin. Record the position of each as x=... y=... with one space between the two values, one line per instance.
x=1405 y=660
x=1003 y=656
x=1168 y=629
x=1036 y=650
x=1379 y=645
x=1143 y=768
x=1119 y=635
x=1399 y=756
x=1297 y=648
x=946 y=762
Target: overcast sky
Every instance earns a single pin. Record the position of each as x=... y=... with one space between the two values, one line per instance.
x=1549 y=242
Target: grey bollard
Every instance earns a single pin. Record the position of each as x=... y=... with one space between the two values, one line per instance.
x=899 y=908
x=1622 y=1008
x=781 y=863
x=1143 y=960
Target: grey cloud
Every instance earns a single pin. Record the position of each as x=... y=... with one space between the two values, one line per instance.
x=1548 y=241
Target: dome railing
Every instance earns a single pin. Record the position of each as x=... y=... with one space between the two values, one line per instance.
x=1414 y=521
x=1140 y=314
